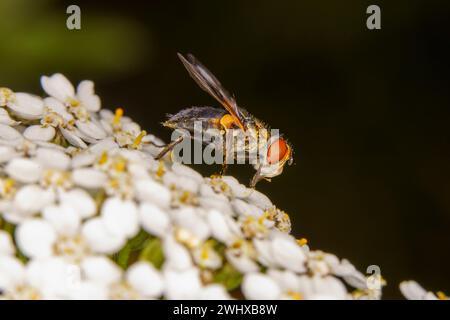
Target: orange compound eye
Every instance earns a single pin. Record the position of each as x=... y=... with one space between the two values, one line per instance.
x=277 y=151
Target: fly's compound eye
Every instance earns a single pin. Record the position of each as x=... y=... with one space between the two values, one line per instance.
x=278 y=151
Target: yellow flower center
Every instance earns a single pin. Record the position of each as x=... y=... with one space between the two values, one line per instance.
x=302 y=241
x=73 y=102
x=103 y=158
x=8 y=185
x=120 y=165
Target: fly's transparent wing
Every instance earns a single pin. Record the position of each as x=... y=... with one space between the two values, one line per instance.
x=209 y=83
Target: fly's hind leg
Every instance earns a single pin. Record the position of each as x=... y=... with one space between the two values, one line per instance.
x=169 y=147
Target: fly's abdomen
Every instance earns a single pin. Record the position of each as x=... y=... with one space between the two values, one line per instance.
x=207 y=117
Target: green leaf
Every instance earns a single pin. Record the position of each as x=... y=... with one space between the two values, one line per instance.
x=125 y=256
x=229 y=277
x=153 y=252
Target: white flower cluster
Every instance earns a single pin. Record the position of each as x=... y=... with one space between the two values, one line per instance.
x=86 y=212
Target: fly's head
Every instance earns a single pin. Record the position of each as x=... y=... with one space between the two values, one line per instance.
x=279 y=153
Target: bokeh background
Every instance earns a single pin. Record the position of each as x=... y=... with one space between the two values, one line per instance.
x=367 y=111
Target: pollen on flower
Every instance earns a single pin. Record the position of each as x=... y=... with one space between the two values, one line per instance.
x=137 y=141
x=7 y=187
x=186 y=197
x=302 y=241
x=161 y=169
x=103 y=158
x=22 y=292
x=6 y=95
x=219 y=185
x=73 y=102
x=294 y=295
x=186 y=237
x=254 y=227
x=117 y=116
x=72 y=248
x=441 y=295
x=56 y=178
x=120 y=165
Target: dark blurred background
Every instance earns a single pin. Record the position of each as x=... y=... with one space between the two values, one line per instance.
x=367 y=111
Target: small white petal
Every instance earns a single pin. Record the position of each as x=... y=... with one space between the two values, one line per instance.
x=63 y=218
x=288 y=254
x=100 y=239
x=81 y=201
x=220 y=228
x=85 y=92
x=8 y=133
x=31 y=199
x=245 y=209
x=145 y=279
x=259 y=199
x=27 y=106
x=287 y=280
x=120 y=217
x=7 y=153
x=57 y=106
x=6 y=119
x=35 y=238
x=222 y=206
x=12 y=272
x=177 y=257
x=171 y=179
x=52 y=158
x=153 y=219
x=89 y=178
x=183 y=170
x=182 y=285
x=151 y=191
x=411 y=290
x=73 y=139
x=242 y=263
x=83 y=159
x=24 y=170
x=130 y=127
x=58 y=86
x=322 y=288
x=213 y=292
x=53 y=277
x=238 y=189
x=257 y=286
x=101 y=270
x=6 y=244
x=107 y=144
x=90 y=129
x=39 y=133
x=86 y=290
x=189 y=218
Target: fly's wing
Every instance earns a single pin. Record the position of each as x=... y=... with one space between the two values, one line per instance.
x=208 y=82
x=186 y=118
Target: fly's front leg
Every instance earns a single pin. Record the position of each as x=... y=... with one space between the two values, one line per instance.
x=225 y=161
x=256 y=178
x=169 y=147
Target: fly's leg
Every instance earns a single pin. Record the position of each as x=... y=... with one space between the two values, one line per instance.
x=224 y=165
x=169 y=147
x=224 y=168
x=256 y=178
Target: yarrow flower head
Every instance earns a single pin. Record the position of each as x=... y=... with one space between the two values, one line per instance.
x=86 y=212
